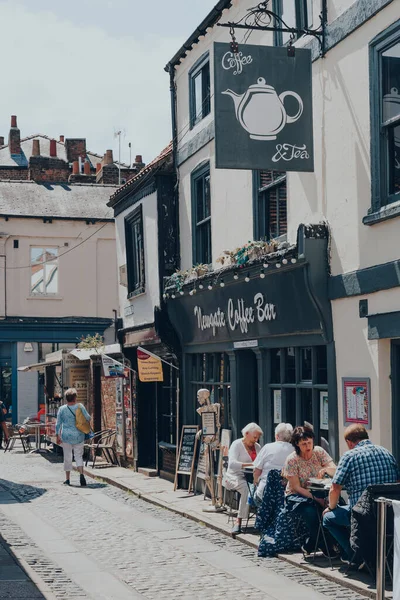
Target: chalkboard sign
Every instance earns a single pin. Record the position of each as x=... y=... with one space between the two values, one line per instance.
x=186 y=454
x=201 y=463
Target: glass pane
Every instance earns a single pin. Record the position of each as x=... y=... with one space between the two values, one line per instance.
x=51 y=277
x=206 y=90
x=210 y=367
x=199 y=185
x=5 y=386
x=290 y=406
x=306 y=405
x=322 y=365
x=273 y=214
x=306 y=364
x=289 y=16
x=198 y=97
x=391 y=82
x=282 y=210
x=310 y=11
x=51 y=254
x=394 y=159
x=207 y=200
x=37 y=279
x=275 y=365
x=37 y=255
x=290 y=365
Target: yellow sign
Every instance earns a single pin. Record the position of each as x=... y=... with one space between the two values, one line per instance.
x=149 y=367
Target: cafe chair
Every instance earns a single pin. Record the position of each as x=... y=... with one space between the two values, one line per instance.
x=104 y=445
x=231 y=500
x=18 y=434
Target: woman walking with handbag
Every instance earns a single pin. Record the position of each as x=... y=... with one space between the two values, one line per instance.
x=72 y=424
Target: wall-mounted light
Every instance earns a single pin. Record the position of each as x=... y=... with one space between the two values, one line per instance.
x=222 y=283
x=182 y=292
x=247 y=279
x=201 y=286
x=278 y=265
x=165 y=296
x=265 y=265
x=235 y=276
x=262 y=274
x=284 y=261
x=173 y=296
x=293 y=261
x=210 y=287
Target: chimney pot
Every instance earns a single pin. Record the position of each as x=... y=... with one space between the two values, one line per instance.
x=108 y=157
x=35 y=147
x=1 y=140
x=53 y=148
x=61 y=138
x=75 y=167
x=14 y=138
x=98 y=167
x=86 y=167
x=138 y=158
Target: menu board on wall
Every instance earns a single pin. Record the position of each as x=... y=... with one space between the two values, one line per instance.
x=79 y=379
x=357 y=401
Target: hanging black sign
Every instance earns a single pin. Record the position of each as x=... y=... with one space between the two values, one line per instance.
x=263 y=108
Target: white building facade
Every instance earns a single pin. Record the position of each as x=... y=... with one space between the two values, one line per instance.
x=348 y=310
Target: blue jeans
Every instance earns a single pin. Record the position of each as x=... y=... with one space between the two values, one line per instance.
x=337 y=522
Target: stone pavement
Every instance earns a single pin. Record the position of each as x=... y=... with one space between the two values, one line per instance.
x=102 y=542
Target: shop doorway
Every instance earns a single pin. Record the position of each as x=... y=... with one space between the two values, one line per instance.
x=395 y=379
x=5 y=385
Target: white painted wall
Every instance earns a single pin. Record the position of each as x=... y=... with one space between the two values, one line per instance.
x=142 y=305
x=27 y=382
x=86 y=273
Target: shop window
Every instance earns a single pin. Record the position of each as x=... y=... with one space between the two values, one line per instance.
x=306 y=405
x=199 y=90
x=135 y=252
x=201 y=215
x=290 y=365
x=295 y=13
x=212 y=371
x=44 y=271
x=321 y=365
x=270 y=205
x=306 y=364
x=385 y=119
x=289 y=397
x=276 y=365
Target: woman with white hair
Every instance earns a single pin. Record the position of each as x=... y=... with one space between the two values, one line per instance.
x=242 y=453
x=272 y=456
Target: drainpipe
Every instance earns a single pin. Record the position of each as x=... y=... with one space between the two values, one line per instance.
x=171 y=69
x=4 y=241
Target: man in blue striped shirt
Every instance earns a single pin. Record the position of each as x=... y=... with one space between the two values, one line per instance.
x=364 y=464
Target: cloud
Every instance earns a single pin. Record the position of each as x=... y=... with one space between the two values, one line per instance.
x=82 y=80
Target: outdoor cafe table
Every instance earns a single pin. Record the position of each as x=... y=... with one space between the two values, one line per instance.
x=35 y=427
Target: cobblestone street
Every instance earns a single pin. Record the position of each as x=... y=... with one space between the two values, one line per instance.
x=101 y=542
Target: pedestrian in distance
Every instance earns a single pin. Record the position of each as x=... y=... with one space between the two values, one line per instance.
x=69 y=436
x=3 y=424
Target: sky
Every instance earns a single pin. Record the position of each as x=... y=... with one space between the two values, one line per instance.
x=91 y=68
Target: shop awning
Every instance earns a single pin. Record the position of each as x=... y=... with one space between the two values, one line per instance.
x=86 y=353
x=40 y=366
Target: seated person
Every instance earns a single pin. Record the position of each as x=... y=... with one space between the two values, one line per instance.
x=272 y=456
x=305 y=462
x=362 y=465
x=242 y=453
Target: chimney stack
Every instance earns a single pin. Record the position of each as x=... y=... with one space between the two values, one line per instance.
x=53 y=148
x=35 y=148
x=1 y=140
x=138 y=158
x=75 y=167
x=86 y=167
x=61 y=138
x=14 y=139
x=98 y=167
x=108 y=157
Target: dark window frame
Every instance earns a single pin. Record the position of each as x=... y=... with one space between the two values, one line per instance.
x=200 y=68
x=200 y=254
x=212 y=371
x=381 y=199
x=135 y=263
x=261 y=206
x=301 y=9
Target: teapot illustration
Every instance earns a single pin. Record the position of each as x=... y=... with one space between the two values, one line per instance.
x=261 y=112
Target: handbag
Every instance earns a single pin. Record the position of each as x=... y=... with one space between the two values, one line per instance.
x=81 y=423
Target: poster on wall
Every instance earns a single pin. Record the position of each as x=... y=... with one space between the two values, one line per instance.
x=111 y=367
x=277 y=406
x=357 y=401
x=263 y=108
x=323 y=410
x=149 y=367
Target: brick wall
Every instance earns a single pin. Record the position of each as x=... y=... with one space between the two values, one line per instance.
x=44 y=168
x=14 y=174
x=75 y=148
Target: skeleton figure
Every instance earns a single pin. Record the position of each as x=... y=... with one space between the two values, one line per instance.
x=212 y=444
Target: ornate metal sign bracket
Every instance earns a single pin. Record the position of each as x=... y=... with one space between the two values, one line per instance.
x=261 y=18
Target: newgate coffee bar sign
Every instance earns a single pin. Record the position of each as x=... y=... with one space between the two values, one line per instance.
x=263 y=108
x=277 y=305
